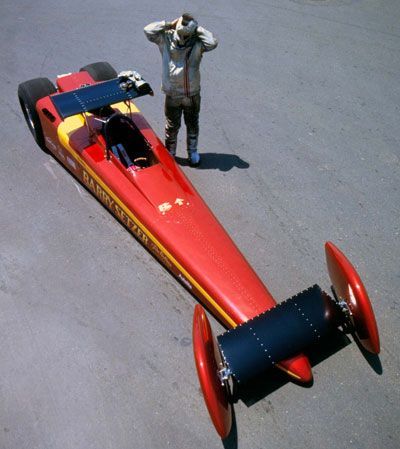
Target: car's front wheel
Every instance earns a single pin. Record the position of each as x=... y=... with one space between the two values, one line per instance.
x=100 y=71
x=29 y=93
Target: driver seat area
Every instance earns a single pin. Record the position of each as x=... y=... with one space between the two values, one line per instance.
x=124 y=139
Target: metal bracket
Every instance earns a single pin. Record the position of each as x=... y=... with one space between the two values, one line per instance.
x=224 y=375
x=347 y=314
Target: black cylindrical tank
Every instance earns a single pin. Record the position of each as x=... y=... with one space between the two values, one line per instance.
x=278 y=334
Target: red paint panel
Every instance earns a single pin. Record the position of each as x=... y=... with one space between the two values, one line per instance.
x=199 y=243
x=73 y=81
x=45 y=109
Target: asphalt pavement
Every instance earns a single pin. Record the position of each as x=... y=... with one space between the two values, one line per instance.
x=300 y=139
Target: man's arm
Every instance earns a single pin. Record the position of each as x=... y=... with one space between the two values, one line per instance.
x=208 y=41
x=154 y=31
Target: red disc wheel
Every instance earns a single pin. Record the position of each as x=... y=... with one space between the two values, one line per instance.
x=348 y=286
x=208 y=362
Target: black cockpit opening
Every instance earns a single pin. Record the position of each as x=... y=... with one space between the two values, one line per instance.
x=125 y=141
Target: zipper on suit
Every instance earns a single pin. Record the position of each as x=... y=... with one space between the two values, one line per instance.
x=186 y=74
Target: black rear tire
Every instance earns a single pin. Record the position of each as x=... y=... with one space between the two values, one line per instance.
x=100 y=71
x=29 y=93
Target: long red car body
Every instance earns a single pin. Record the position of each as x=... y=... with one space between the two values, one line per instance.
x=162 y=209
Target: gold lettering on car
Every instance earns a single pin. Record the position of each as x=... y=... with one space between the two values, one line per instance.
x=124 y=218
x=105 y=198
x=163 y=258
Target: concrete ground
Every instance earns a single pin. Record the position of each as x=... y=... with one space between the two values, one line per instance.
x=300 y=140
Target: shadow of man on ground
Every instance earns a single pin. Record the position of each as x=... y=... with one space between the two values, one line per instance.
x=216 y=161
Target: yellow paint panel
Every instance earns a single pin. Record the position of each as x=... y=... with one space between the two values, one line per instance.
x=123 y=107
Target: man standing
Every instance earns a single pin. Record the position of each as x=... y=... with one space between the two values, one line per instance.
x=182 y=44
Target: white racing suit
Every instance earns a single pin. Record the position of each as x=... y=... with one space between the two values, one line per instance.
x=180 y=79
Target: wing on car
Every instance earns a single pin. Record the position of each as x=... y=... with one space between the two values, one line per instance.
x=89 y=98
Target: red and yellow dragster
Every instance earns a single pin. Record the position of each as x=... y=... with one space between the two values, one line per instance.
x=94 y=129
x=90 y=123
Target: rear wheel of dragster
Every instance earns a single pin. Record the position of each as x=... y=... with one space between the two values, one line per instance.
x=100 y=71
x=29 y=93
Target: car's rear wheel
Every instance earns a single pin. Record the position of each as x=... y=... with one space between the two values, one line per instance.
x=29 y=93
x=100 y=71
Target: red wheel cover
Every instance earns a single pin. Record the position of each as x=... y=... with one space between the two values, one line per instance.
x=208 y=362
x=348 y=286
